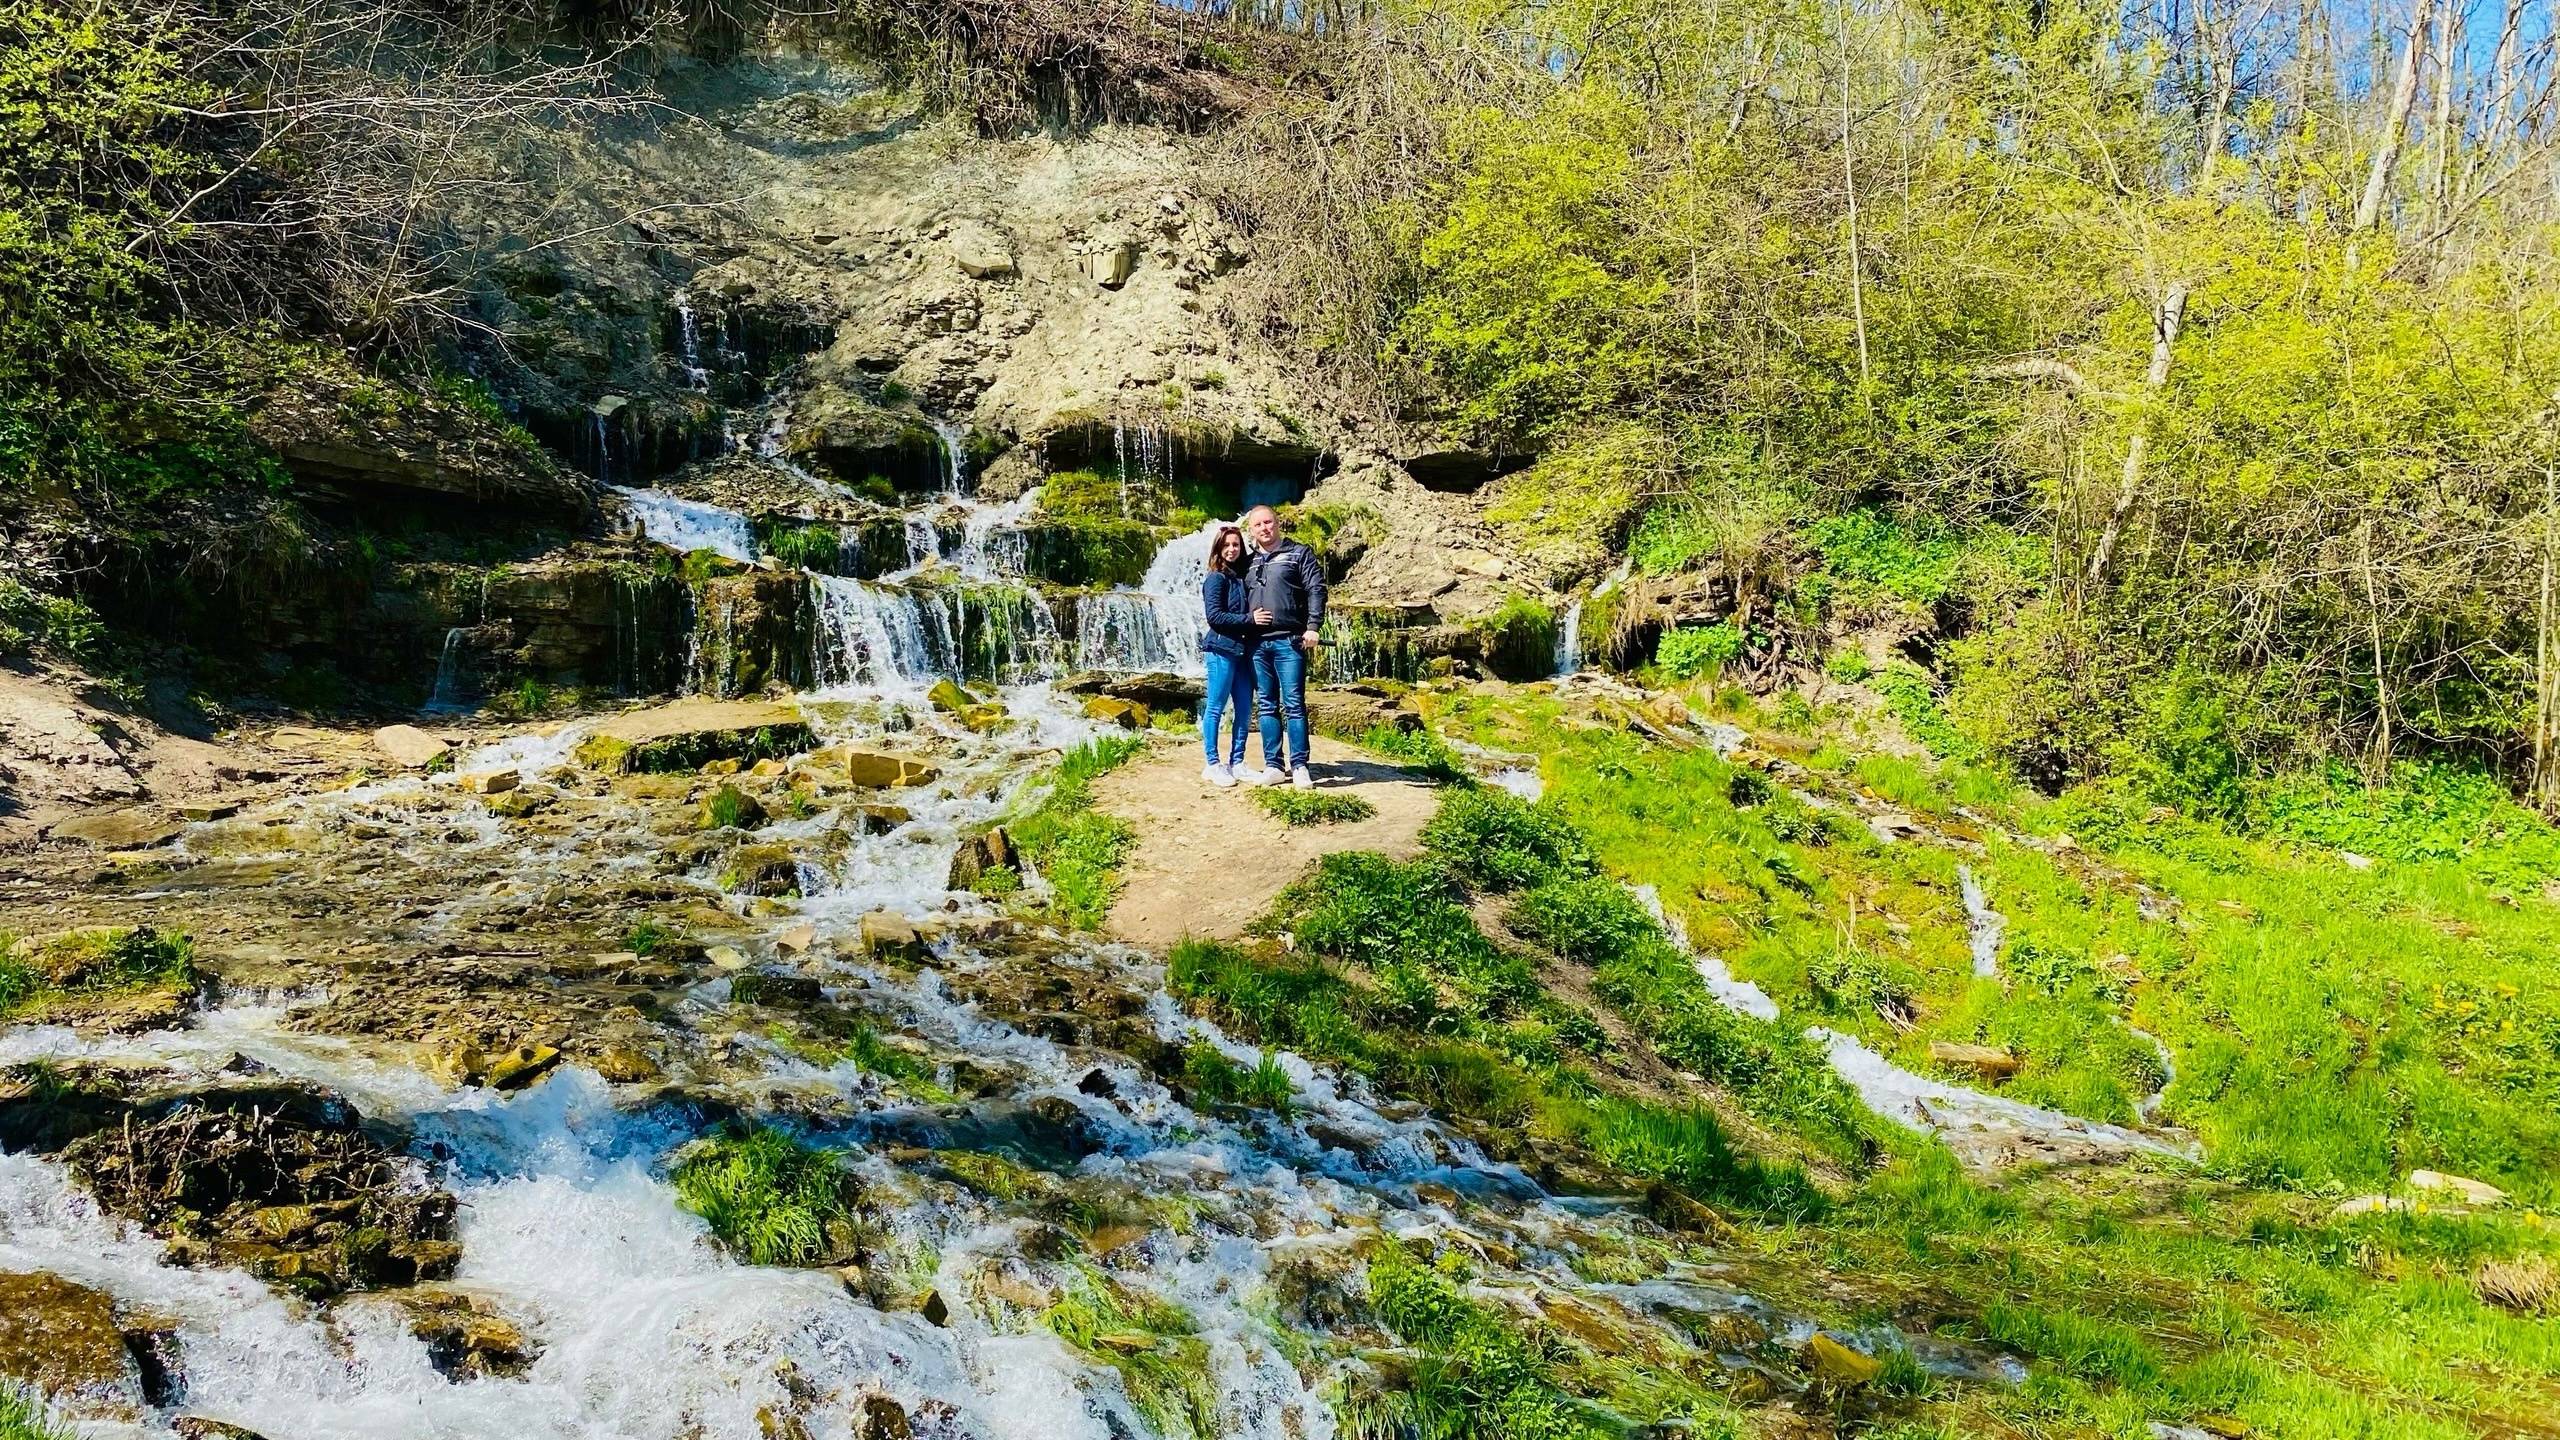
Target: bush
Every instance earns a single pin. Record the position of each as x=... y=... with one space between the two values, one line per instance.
x=1408 y=923
x=1586 y=918
x=771 y=1199
x=1500 y=841
x=1313 y=807
x=1695 y=650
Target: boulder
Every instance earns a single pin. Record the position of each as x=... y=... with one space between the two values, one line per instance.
x=1113 y=264
x=202 y=812
x=688 y=734
x=1110 y=710
x=466 y=1337
x=796 y=938
x=491 y=782
x=759 y=987
x=893 y=939
x=981 y=253
x=2470 y=1191
x=770 y=870
x=1987 y=1062
x=949 y=697
x=409 y=747
x=978 y=854
x=205 y=1427
x=984 y=719
x=871 y=770
x=1351 y=712
x=58 y=1336
x=731 y=807
x=884 y=1419
x=128 y=828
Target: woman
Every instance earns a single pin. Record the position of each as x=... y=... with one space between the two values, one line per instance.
x=1226 y=652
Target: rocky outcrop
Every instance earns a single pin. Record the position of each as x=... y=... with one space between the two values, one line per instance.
x=689 y=734
x=337 y=431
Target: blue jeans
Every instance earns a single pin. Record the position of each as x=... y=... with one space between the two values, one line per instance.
x=1280 y=693
x=1230 y=698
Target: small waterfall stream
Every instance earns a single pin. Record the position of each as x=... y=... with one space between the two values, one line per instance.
x=1158 y=625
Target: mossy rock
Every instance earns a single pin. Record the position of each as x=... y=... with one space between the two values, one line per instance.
x=771 y=870
x=950 y=697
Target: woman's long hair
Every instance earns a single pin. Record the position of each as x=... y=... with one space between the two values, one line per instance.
x=1218 y=560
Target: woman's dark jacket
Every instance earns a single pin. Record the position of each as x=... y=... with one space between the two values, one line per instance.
x=1231 y=629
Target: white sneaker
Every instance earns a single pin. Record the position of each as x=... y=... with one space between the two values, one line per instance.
x=1299 y=777
x=1218 y=775
x=1267 y=775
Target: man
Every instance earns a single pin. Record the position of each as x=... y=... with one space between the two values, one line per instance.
x=1284 y=587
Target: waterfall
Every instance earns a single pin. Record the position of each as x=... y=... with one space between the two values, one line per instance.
x=955 y=457
x=689 y=344
x=444 y=699
x=1158 y=625
x=602 y=439
x=992 y=540
x=874 y=638
x=1569 y=641
x=690 y=525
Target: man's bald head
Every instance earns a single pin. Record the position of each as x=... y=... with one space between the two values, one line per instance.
x=1263 y=524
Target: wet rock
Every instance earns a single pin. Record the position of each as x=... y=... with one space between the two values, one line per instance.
x=726 y=957
x=892 y=939
x=466 y=1337
x=115 y=979
x=935 y=1309
x=984 y=719
x=875 y=819
x=772 y=870
x=757 y=987
x=1982 y=1061
x=517 y=804
x=409 y=747
x=626 y=1065
x=205 y=1427
x=796 y=938
x=1157 y=691
x=490 y=782
x=130 y=828
x=870 y=770
x=1836 y=1363
x=1111 y=710
x=59 y=1336
x=884 y=1419
x=730 y=806
x=1097 y=1083
x=1345 y=711
x=688 y=734
x=205 y=811
x=978 y=854
x=949 y=697
x=510 y=1067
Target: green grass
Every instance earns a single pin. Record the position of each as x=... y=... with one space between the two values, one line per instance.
x=1213 y=1079
x=1313 y=807
x=1073 y=846
x=1168 y=1380
x=731 y=808
x=1478 y=1377
x=1420 y=748
x=770 y=1199
x=104 y=960
x=24 y=1415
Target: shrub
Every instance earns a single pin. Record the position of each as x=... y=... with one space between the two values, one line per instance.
x=1313 y=807
x=771 y=1199
x=1498 y=840
x=1584 y=918
x=1695 y=650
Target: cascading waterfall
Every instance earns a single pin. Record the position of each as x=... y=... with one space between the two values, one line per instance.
x=1569 y=641
x=1158 y=625
x=689 y=525
x=446 y=698
x=870 y=637
x=689 y=344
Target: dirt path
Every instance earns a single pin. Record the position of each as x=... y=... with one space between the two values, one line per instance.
x=1209 y=861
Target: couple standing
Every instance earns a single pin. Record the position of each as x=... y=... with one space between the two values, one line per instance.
x=1264 y=594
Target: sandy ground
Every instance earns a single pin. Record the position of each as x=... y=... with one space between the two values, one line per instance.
x=1209 y=861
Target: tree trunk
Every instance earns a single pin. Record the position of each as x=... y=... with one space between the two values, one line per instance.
x=2546 y=655
x=2386 y=153
x=2165 y=319
x=1849 y=181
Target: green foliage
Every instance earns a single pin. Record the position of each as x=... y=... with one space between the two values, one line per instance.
x=644 y=936
x=802 y=544
x=771 y=1199
x=24 y=1415
x=1440 y=764
x=1313 y=807
x=1847 y=665
x=1500 y=841
x=1478 y=1378
x=1699 y=650
x=87 y=962
x=1213 y=1079
x=2082 y=1345
x=1519 y=638
x=1169 y=1379
x=1914 y=701
x=730 y=808
x=1410 y=925
x=1073 y=846
x=2429 y=812
x=32 y=620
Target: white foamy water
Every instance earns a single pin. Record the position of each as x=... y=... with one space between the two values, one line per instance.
x=690 y=525
x=1730 y=992
x=1158 y=625
x=1969 y=1118
x=1983 y=925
